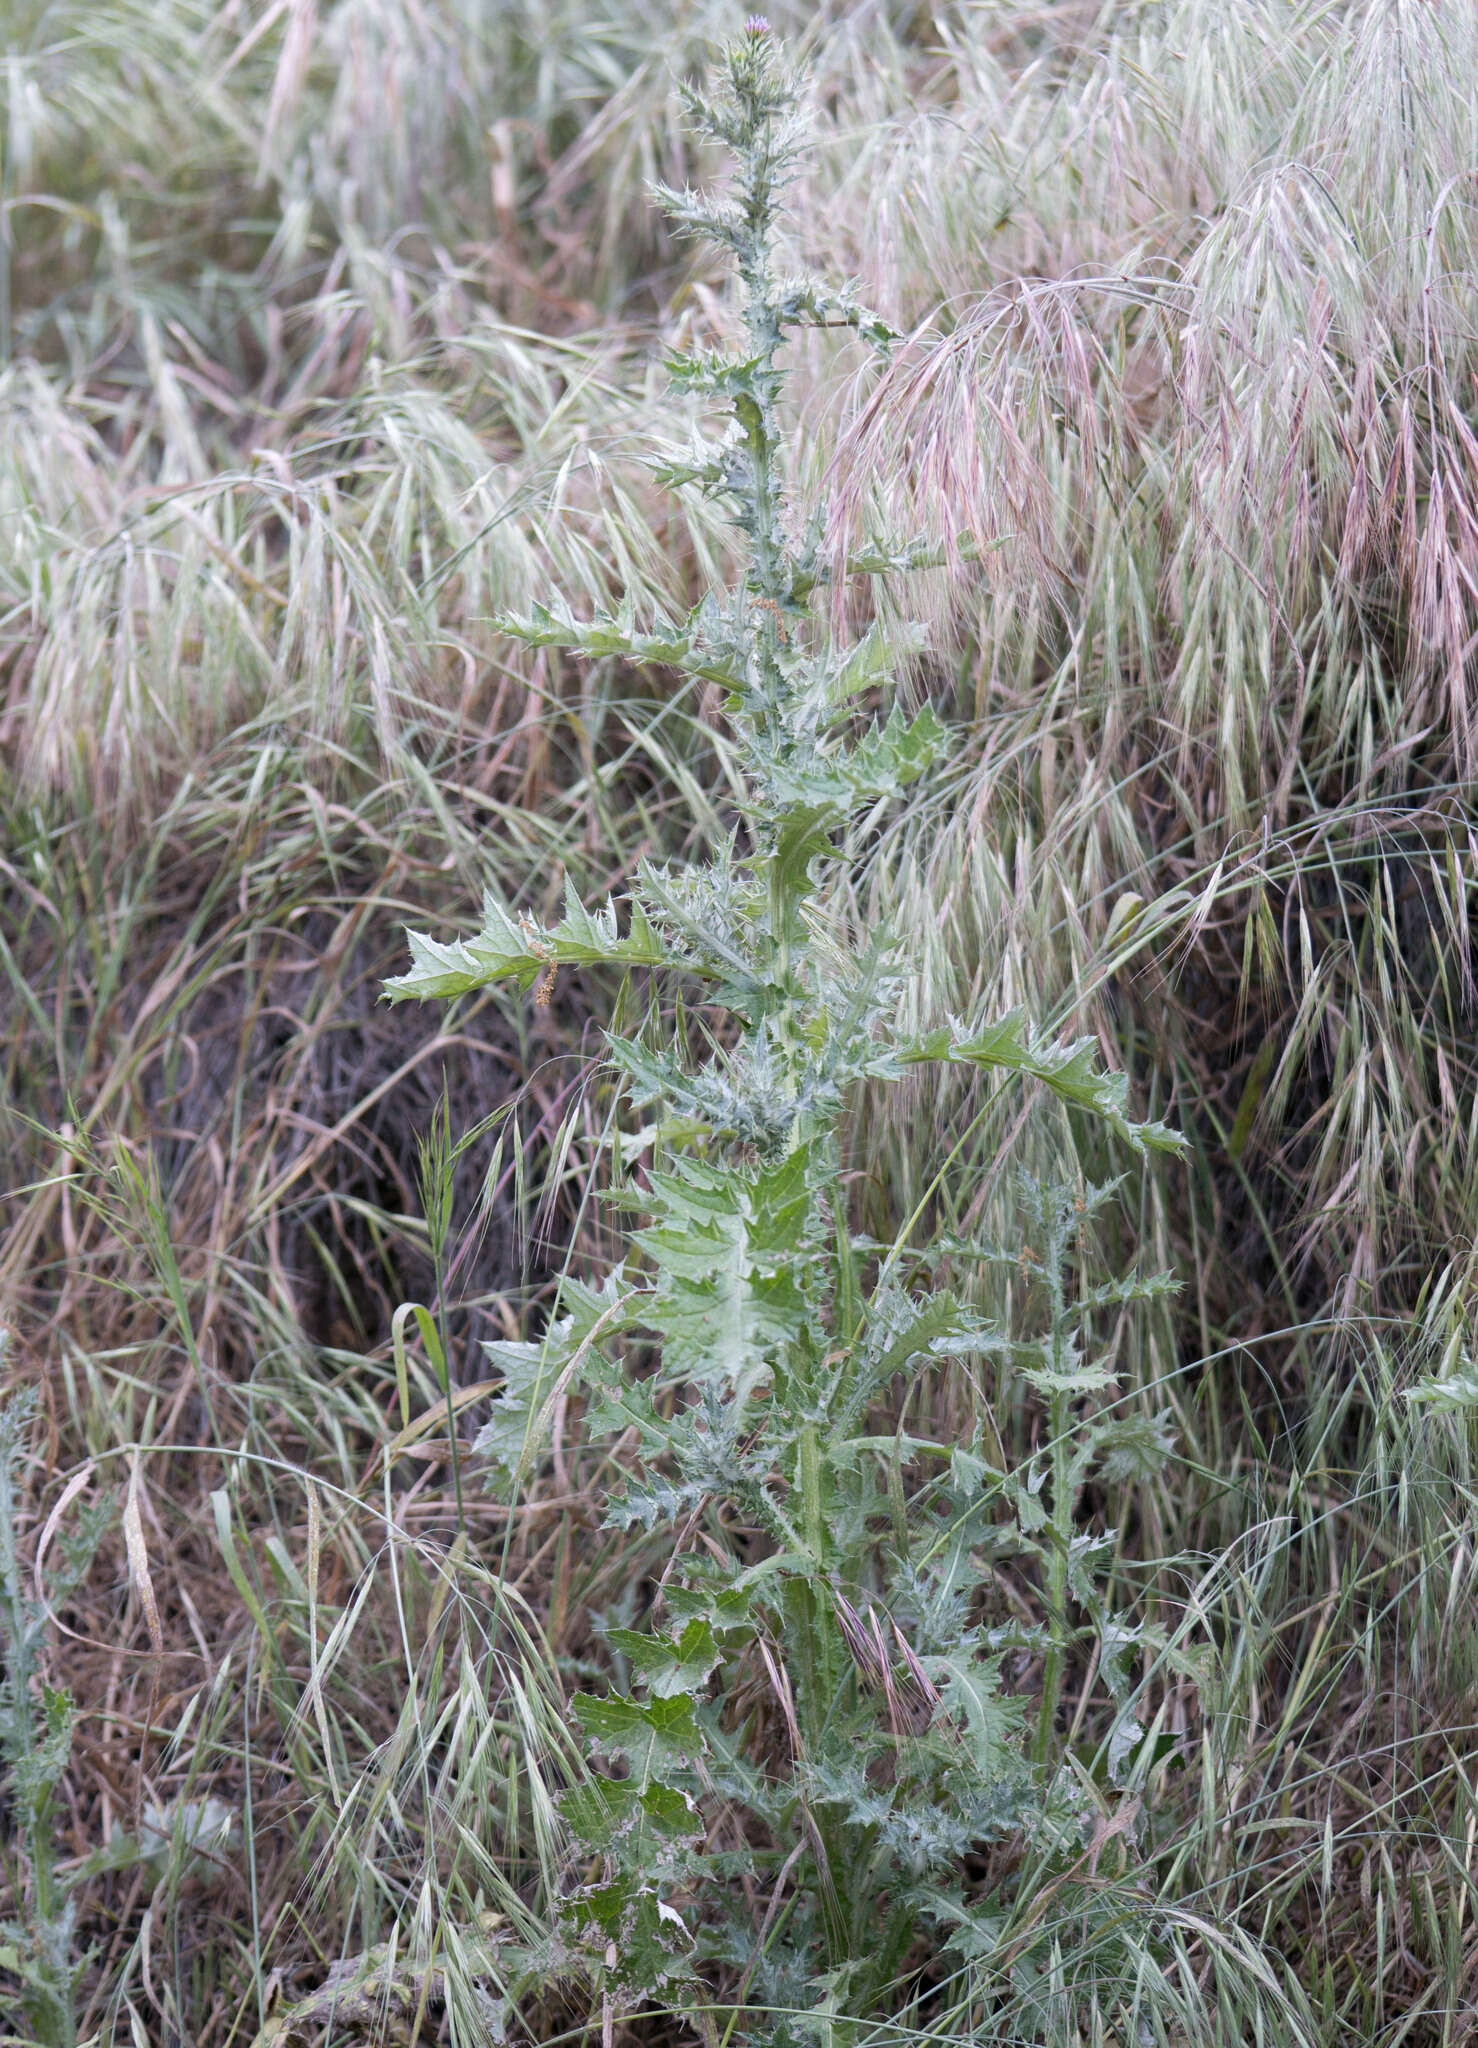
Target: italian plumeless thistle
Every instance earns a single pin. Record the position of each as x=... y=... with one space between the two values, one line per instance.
x=773 y=1327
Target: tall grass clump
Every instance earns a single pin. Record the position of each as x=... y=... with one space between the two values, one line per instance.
x=816 y=1742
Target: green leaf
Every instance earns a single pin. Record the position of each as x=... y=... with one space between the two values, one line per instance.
x=882 y=763
x=900 y=1329
x=1448 y=1393
x=809 y=304
x=729 y=1604
x=1130 y=1447
x=1129 y=1287
x=644 y=1942
x=1060 y=1369
x=973 y=1933
x=611 y=1813
x=40 y=1759
x=513 y=1432
x=656 y=1736
x=803 y=838
x=669 y=1667
x=692 y=214
x=868 y=663
x=1023 y=1491
x=971 y=1520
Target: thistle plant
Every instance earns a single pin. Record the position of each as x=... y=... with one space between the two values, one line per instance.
x=751 y=1335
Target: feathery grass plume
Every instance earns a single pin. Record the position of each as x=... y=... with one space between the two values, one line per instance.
x=1219 y=637
x=772 y=1326
x=337 y=587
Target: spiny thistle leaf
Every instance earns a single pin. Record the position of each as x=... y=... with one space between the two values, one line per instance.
x=892 y=756
x=645 y=1503
x=519 y=1418
x=1068 y=1068
x=522 y=951
x=990 y=1719
x=617 y=636
x=730 y=1252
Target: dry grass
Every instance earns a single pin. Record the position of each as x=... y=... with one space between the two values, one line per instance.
x=327 y=331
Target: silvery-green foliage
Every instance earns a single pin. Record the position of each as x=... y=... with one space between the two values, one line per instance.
x=769 y=1333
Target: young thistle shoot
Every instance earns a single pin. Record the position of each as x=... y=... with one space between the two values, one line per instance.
x=745 y=1278
x=737 y=928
